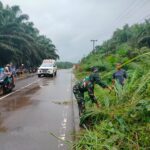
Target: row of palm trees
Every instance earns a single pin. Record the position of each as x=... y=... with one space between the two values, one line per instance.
x=20 y=41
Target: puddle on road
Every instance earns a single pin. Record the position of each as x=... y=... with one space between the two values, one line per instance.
x=32 y=91
x=2 y=128
x=62 y=102
x=45 y=84
x=19 y=99
x=7 y=107
x=15 y=102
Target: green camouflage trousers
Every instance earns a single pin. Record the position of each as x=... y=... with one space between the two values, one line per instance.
x=79 y=95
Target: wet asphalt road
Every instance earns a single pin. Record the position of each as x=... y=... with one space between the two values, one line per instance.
x=36 y=108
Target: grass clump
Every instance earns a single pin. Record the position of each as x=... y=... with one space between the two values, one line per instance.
x=123 y=120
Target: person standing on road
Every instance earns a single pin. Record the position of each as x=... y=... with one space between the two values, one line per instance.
x=120 y=75
x=13 y=69
x=87 y=85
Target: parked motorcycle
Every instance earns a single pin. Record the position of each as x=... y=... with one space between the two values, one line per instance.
x=6 y=83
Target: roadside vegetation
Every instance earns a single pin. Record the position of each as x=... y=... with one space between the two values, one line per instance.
x=123 y=121
x=64 y=65
x=20 y=41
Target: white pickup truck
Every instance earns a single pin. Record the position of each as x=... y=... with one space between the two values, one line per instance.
x=47 y=68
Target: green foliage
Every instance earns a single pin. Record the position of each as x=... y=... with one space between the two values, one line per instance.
x=141 y=112
x=20 y=41
x=123 y=120
x=123 y=49
x=64 y=65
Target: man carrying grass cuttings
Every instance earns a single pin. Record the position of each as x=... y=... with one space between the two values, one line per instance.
x=87 y=85
x=120 y=75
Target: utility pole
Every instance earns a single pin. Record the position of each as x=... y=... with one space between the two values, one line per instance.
x=93 y=41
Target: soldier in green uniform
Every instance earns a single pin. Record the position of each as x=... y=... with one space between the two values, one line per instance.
x=87 y=85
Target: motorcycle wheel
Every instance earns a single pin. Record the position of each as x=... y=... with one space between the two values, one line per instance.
x=2 y=92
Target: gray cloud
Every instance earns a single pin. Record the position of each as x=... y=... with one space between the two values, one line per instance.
x=71 y=24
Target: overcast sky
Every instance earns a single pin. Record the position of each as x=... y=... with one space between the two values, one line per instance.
x=71 y=24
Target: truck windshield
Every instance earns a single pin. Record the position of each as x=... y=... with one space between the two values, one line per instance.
x=47 y=65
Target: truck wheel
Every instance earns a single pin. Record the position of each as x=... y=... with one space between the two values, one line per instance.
x=39 y=75
x=53 y=74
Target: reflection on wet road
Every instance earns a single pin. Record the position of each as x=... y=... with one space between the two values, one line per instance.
x=28 y=116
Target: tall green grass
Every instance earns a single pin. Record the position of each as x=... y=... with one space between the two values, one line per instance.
x=123 y=121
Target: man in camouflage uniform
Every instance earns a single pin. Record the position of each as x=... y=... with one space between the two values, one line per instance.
x=87 y=85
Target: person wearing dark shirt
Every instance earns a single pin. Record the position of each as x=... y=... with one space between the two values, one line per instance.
x=120 y=75
x=87 y=85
